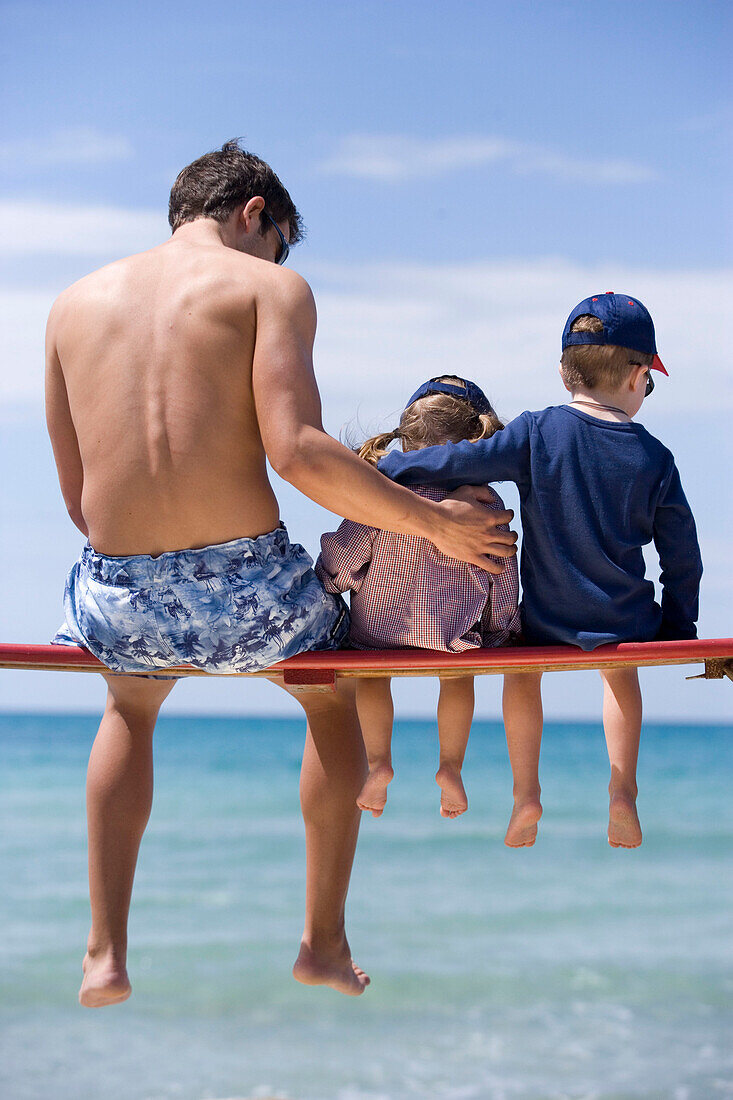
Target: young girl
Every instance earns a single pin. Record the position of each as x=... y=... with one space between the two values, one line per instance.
x=404 y=592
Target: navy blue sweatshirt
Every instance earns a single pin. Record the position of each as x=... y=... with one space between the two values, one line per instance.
x=592 y=492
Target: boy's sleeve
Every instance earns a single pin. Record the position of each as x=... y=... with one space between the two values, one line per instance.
x=503 y=457
x=675 y=538
x=345 y=556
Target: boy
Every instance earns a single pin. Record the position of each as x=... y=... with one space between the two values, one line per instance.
x=582 y=567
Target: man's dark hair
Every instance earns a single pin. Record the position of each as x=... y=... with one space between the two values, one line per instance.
x=218 y=182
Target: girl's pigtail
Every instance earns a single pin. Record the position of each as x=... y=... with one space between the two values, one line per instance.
x=490 y=423
x=377 y=447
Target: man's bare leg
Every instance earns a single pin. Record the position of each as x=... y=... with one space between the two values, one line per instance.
x=455 y=714
x=522 y=705
x=376 y=717
x=622 y=726
x=333 y=771
x=119 y=797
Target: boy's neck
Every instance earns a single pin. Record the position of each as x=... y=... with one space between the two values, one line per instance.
x=615 y=405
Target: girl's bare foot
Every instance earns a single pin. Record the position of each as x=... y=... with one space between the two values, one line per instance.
x=522 y=829
x=373 y=795
x=453 y=799
x=624 y=830
x=330 y=966
x=105 y=981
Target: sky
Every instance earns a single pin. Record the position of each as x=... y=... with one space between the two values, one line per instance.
x=466 y=172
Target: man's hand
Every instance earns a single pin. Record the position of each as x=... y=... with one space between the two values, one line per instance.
x=469 y=532
x=475 y=494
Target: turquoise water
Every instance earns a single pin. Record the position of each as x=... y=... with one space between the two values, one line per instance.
x=566 y=972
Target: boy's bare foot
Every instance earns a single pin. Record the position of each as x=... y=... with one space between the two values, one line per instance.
x=522 y=829
x=332 y=967
x=373 y=795
x=624 y=830
x=453 y=799
x=105 y=981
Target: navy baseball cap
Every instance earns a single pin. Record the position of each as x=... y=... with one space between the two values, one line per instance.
x=469 y=391
x=626 y=324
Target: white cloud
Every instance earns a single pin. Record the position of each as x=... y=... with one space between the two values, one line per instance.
x=530 y=162
x=392 y=158
x=74 y=146
x=34 y=228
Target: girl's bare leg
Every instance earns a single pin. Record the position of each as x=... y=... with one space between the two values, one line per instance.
x=331 y=776
x=522 y=705
x=455 y=714
x=119 y=797
x=622 y=726
x=376 y=715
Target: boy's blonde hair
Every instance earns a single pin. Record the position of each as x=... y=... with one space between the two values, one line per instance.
x=434 y=419
x=593 y=365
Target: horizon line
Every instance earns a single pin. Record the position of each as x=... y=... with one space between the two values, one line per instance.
x=236 y=716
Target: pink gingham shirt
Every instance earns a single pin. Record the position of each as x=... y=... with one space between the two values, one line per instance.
x=404 y=592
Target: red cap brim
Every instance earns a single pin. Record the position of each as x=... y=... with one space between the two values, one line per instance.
x=657 y=364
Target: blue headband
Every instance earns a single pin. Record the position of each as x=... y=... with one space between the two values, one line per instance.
x=469 y=391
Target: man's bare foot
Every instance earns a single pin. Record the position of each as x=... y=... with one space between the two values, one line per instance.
x=373 y=795
x=624 y=830
x=522 y=829
x=453 y=799
x=334 y=968
x=105 y=981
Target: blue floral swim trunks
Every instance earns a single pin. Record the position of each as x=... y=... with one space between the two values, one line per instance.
x=237 y=607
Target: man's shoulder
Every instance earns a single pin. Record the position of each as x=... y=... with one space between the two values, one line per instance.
x=94 y=283
x=238 y=282
x=281 y=297
x=280 y=284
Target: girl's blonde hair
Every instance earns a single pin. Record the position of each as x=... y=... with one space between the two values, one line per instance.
x=434 y=419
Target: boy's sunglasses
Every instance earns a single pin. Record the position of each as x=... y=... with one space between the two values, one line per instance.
x=284 y=246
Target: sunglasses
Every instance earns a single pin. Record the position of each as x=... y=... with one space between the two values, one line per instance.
x=284 y=246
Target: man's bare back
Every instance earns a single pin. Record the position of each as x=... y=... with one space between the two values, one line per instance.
x=156 y=357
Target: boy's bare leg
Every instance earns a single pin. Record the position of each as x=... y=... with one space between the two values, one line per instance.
x=455 y=714
x=376 y=716
x=119 y=797
x=331 y=776
x=522 y=704
x=622 y=726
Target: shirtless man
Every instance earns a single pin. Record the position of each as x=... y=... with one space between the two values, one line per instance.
x=170 y=376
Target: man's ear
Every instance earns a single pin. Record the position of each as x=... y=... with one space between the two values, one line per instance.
x=251 y=213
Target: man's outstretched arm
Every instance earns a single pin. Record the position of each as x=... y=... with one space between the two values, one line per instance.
x=289 y=415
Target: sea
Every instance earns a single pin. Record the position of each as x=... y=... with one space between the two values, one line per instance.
x=569 y=971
